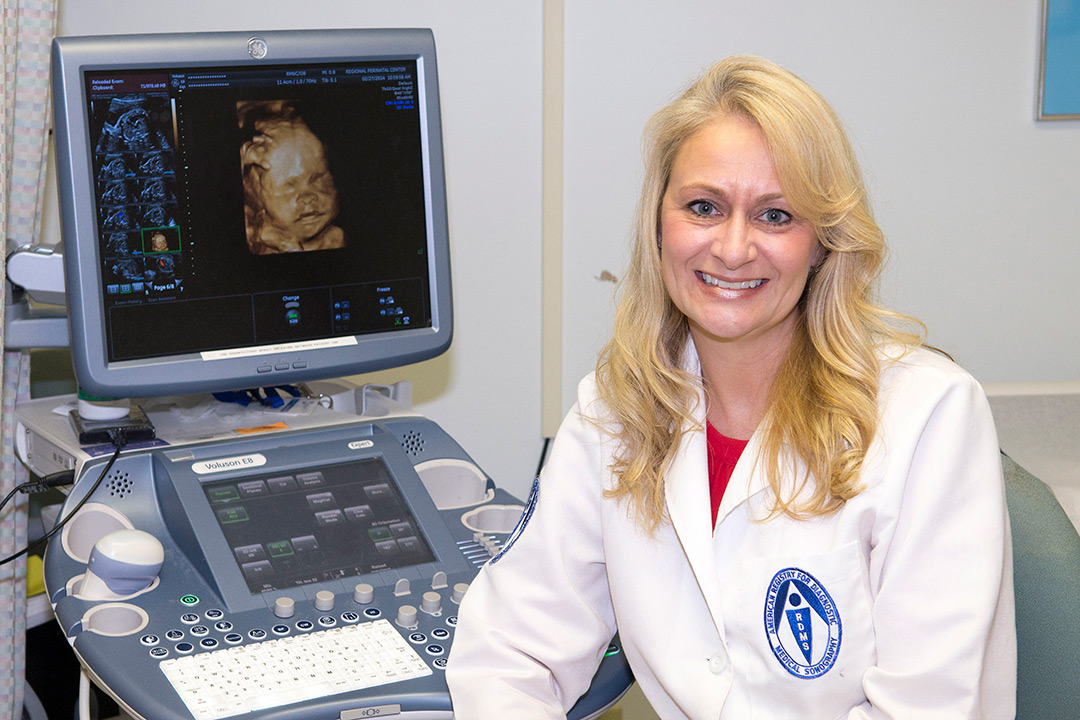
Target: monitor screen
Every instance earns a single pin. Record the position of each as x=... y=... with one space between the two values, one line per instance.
x=247 y=209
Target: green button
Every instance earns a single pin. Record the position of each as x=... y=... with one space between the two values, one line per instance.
x=281 y=548
x=189 y=600
x=224 y=494
x=378 y=534
x=232 y=515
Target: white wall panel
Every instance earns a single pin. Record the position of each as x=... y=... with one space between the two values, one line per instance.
x=974 y=195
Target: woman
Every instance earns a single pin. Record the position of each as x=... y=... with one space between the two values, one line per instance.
x=856 y=560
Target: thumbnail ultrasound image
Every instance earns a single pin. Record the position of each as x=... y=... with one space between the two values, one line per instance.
x=136 y=186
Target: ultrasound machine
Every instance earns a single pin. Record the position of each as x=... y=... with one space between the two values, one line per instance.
x=271 y=554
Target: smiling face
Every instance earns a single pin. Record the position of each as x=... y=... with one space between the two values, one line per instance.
x=735 y=258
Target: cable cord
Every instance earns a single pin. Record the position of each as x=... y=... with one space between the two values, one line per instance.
x=543 y=456
x=84 y=696
x=119 y=440
x=65 y=477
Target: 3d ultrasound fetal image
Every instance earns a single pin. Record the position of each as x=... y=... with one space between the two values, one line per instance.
x=290 y=200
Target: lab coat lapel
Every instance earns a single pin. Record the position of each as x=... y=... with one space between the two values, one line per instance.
x=747 y=479
x=686 y=491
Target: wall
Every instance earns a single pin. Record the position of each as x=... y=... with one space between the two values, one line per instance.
x=974 y=195
x=489 y=56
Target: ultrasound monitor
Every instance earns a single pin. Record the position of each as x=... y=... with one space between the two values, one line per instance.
x=250 y=209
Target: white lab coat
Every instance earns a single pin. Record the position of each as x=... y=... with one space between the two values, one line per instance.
x=917 y=567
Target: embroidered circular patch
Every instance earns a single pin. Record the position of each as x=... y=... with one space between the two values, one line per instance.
x=802 y=623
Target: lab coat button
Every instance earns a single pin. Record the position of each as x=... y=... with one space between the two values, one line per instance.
x=718 y=663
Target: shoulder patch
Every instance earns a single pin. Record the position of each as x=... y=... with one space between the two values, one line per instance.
x=802 y=623
x=526 y=515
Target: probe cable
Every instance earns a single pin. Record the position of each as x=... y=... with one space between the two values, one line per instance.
x=118 y=440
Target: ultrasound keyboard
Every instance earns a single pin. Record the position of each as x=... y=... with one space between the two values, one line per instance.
x=243 y=678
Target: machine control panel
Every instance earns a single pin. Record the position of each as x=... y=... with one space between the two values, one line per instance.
x=313 y=574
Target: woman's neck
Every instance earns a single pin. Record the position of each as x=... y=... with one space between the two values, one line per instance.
x=738 y=379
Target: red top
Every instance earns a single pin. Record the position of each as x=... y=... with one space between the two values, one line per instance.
x=724 y=453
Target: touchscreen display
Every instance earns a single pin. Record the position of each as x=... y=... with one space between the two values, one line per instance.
x=320 y=524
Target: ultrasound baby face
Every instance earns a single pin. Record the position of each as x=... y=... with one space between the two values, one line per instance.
x=290 y=196
x=297 y=189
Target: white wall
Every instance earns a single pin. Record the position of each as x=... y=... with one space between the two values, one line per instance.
x=976 y=198
x=485 y=390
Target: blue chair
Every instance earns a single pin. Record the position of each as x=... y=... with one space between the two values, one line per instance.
x=1046 y=568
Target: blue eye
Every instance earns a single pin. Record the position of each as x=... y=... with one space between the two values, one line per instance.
x=702 y=207
x=775 y=216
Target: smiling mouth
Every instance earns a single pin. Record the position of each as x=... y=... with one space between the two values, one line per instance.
x=724 y=284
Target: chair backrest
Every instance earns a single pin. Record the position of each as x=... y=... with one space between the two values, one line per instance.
x=1046 y=568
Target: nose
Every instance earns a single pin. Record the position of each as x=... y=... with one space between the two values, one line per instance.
x=308 y=198
x=733 y=243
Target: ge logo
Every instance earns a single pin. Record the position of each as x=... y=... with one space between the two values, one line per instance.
x=257 y=47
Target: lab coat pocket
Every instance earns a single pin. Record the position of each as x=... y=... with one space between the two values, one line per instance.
x=806 y=620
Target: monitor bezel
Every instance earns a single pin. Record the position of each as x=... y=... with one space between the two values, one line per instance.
x=189 y=373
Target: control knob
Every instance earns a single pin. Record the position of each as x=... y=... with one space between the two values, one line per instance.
x=324 y=600
x=406 y=616
x=284 y=607
x=363 y=593
x=431 y=603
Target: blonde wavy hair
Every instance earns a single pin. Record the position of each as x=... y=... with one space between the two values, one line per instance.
x=823 y=403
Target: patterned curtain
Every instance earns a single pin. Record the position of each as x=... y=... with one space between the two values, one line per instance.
x=28 y=29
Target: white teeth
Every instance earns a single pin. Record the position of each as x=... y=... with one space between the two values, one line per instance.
x=717 y=282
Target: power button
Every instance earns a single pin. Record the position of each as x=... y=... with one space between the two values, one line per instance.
x=189 y=600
